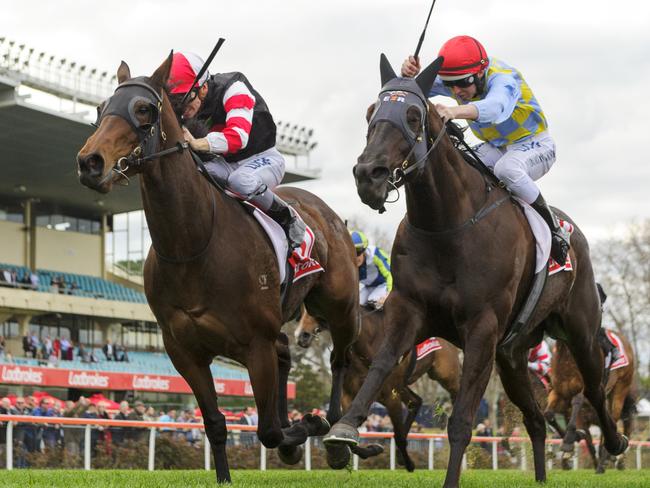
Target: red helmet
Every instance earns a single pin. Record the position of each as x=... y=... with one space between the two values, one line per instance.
x=464 y=56
x=185 y=67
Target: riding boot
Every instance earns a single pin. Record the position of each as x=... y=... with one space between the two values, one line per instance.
x=559 y=236
x=607 y=345
x=293 y=226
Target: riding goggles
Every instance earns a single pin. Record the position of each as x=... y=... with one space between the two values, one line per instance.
x=461 y=83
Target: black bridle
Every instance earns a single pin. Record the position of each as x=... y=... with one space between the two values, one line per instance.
x=395 y=98
x=392 y=107
x=150 y=135
x=123 y=104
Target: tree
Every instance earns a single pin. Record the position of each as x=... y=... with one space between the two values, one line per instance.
x=622 y=266
x=311 y=391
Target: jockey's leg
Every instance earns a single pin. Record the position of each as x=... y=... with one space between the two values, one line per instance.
x=220 y=169
x=255 y=178
x=364 y=293
x=377 y=295
x=522 y=164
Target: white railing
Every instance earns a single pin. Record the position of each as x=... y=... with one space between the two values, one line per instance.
x=88 y=424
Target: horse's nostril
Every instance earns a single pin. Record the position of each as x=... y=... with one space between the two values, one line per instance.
x=93 y=163
x=354 y=170
x=380 y=173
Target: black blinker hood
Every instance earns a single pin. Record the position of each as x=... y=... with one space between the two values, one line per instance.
x=397 y=95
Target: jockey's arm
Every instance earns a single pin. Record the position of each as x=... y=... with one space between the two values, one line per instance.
x=502 y=95
x=239 y=104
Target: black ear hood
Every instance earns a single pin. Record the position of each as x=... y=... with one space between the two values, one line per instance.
x=397 y=95
x=420 y=85
x=426 y=78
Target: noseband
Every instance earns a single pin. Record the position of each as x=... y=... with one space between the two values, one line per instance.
x=122 y=104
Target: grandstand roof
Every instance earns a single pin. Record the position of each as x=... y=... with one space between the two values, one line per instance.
x=37 y=160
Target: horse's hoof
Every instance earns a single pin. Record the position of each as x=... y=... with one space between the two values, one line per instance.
x=623 y=444
x=290 y=454
x=567 y=448
x=620 y=464
x=317 y=426
x=342 y=433
x=338 y=455
x=365 y=452
x=581 y=435
x=600 y=470
x=295 y=435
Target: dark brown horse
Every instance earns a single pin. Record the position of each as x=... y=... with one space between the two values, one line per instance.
x=512 y=415
x=463 y=262
x=442 y=366
x=566 y=398
x=211 y=276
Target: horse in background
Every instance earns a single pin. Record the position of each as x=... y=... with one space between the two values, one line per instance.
x=441 y=365
x=463 y=262
x=211 y=276
x=566 y=398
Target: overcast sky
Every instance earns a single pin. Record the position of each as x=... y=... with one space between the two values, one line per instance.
x=316 y=63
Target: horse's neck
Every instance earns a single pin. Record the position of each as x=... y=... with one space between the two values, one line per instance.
x=446 y=193
x=177 y=202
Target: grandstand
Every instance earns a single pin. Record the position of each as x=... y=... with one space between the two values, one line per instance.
x=71 y=259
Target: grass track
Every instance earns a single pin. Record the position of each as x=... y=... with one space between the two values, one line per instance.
x=325 y=479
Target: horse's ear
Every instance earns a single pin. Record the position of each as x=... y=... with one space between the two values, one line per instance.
x=161 y=75
x=428 y=76
x=386 y=70
x=123 y=72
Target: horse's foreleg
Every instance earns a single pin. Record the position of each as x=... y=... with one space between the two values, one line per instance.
x=413 y=403
x=550 y=411
x=583 y=433
x=480 y=344
x=284 y=367
x=516 y=383
x=343 y=334
x=401 y=323
x=569 y=437
x=199 y=377
x=262 y=363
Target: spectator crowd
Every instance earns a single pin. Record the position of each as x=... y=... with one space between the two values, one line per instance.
x=30 y=437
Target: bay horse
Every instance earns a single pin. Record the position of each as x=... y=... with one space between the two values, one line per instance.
x=566 y=398
x=441 y=365
x=211 y=276
x=463 y=262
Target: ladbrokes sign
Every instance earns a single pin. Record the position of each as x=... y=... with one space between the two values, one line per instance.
x=103 y=380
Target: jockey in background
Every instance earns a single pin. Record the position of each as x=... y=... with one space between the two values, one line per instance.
x=539 y=362
x=238 y=129
x=502 y=111
x=375 y=278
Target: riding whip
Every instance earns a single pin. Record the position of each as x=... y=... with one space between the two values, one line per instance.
x=417 y=49
x=205 y=67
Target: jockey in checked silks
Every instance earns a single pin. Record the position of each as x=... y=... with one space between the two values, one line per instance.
x=375 y=278
x=239 y=132
x=502 y=111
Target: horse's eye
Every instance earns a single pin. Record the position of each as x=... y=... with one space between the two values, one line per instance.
x=144 y=110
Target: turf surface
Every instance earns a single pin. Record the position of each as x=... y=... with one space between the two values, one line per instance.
x=325 y=479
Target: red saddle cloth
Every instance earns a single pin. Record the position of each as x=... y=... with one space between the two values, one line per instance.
x=301 y=260
x=622 y=360
x=554 y=266
x=427 y=347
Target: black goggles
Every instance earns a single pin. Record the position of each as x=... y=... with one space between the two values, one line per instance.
x=462 y=83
